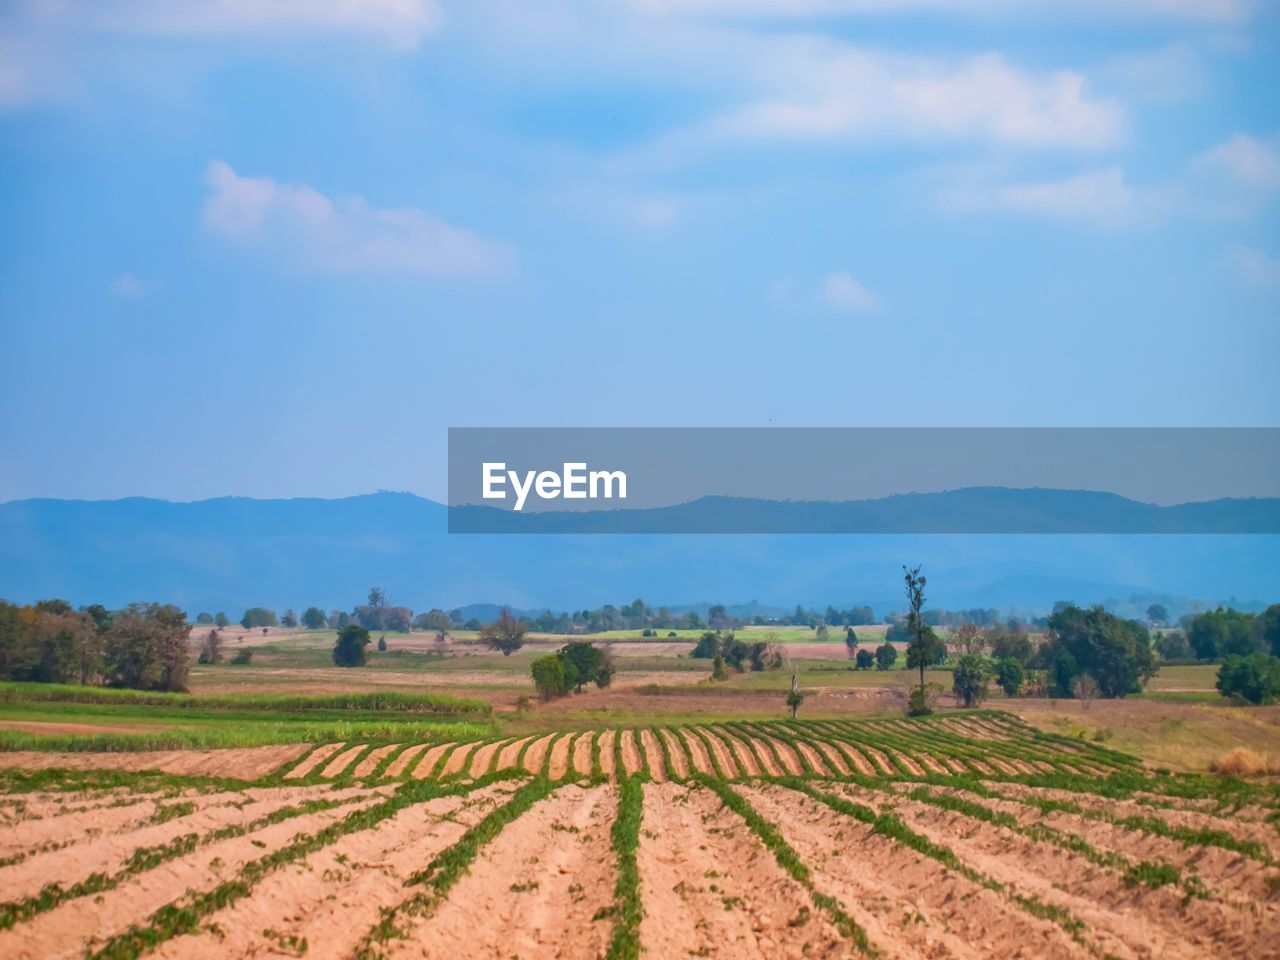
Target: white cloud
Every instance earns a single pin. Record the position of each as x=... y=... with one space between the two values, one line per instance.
x=1101 y=195
x=1247 y=161
x=1207 y=10
x=828 y=90
x=345 y=234
x=1256 y=267
x=843 y=292
x=128 y=287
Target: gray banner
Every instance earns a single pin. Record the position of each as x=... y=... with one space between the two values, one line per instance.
x=864 y=480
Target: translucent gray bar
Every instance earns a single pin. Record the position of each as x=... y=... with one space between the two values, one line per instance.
x=864 y=480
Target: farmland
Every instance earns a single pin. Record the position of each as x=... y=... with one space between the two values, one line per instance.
x=427 y=805
x=956 y=835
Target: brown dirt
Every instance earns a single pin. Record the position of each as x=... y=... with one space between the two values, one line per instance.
x=537 y=751
x=1125 y=920
x=696 y=752
x=484 y=754
x=720 y=752
x=742 y=753
x=768 y=759
x=242 y=763
x=653 y=756
x=67 y=929
x=582 y=754
x=401 y=763
x=631 y=761
x=54 y=727
x=343 y=760
x=605 y=741
x=313 y=760
x=905 y=901
x=786 y=756
x=537 y=891
x=335 y=895
x=507 y=758
x=372 y=759
x=835 y=759
x=814 y=758
x=558 y=766
x=712 y=890
x=679 y=757
x=457 y=760
x=427 y=765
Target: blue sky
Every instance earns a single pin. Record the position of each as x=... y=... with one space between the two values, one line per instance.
x=277 y=248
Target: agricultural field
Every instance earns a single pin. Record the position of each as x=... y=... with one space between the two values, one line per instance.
x=971 y=835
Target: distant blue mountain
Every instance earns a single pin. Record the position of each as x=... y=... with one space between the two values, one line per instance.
x=228 y=554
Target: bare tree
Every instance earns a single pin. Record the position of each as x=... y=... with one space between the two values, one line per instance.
x=1086 y=689
x=506 y=634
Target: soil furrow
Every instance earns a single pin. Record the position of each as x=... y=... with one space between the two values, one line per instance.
x=427 y=765
x=679 y=758
x=653 y=756
x=371 y=760
x=343 y=760
x=558 y=765
x=401 y=763
x=311 y=762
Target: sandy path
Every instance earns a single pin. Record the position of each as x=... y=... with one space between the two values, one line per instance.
x=107 y=852
x=334 y=896
x=343 y=760
x=511 y=752
x=558 y=765
x=605 y=742
x=632 y=762
x=427 y=765
x=537 y=751
x=653 y=756
x=534 y=891
x=67 y=929
x=318 y=756
x=711 y=889
x=401 y=763
x=1134 y=920
x=582 y=754
x=675 y=748
x=919 y=906
x=746 y=760
x=697 y=752
x=720 y=752
x=457 y=761
x=242 y=763
x=484 y=756
x=372 y=759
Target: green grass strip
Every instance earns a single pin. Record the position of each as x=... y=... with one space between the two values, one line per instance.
x=624 y=944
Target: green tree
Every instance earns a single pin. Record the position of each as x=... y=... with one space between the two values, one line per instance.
x=220 y=620
x=925 y=649
x=204 y=619
x=349 y=651
x=289 y=619
x=258 y=617
x=1221 y=633
x=146 y=648
x=970 y=678
x=1255 y=678
x=588 y=660
x=1010 y=676
x=864 y=660
x=313 y=618
x=211 y=648
x=718 y=670
x=886 y=656
x=850 y=642
x=549 y=676
x=506 y=634
x=1116 y=653
x=1158 y=614
x=708 y=646
x=1266 y=629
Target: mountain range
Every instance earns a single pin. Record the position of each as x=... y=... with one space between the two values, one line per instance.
x=232 y=553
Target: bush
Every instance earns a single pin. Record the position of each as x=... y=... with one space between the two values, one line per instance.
x=718 y=671
x=886 y=656
x=549 y=676
x=970 y=678
x=382 y=644
x=1242 y=762
x=242 y=658
x=919 y=703
x=349 y=650
x=1255 y=678
x=708 y=646
x=671 y=633
x=211 y=648
x=864 y=660
x=1009 y=676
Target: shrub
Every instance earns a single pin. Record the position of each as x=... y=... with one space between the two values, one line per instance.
x=549 y=676
x=718 y=671
x=1255 y=678
x=382 y=644
x=708 y=646
x=918 y=702
x=242 y=658
x=1009 y=676
x=671 y=633
x=886 y=656
x=969 y=680
x=211 y=648
x=349 y=650
x=864 y=660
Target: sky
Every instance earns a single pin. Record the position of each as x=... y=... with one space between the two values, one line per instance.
x=276 y=249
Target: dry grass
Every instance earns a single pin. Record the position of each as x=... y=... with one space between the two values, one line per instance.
x=1243 y=762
